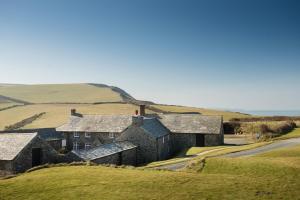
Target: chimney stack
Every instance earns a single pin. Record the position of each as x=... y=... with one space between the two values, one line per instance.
x=142 y=110
x=73 y=112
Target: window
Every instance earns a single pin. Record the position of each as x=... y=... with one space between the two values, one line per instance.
x=163 y=139
x=87 y=146
x=76 y=135
x=87 y=134
x=63 y=143
x=75 y=146
x=111 y=135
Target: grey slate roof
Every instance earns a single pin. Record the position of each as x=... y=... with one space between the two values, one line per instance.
x=154 y=127
x=104 y=150
x=97 y=123
x=192 y=123
x=11 y=144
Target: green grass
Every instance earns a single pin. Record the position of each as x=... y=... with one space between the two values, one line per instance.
x=57 y=115
x=60 y=93
x=294 y=134
x=7 y=105
x=275 y=175
x=226 y=114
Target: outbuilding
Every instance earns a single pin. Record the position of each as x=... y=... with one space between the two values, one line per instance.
x=21 y=151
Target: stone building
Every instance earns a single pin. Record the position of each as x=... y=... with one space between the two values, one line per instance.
x=151 y=138
x=156 y=137
x=21 y=151
x=90 y=131
x=193 y=130
x=119 y=153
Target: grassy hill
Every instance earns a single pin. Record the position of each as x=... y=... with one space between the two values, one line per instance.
x=274 y=175
x=18 y=102
x=226 y=114
x=61 y=93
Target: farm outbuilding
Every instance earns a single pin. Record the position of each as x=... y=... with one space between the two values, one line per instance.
x=21 y=151
x=118 y=153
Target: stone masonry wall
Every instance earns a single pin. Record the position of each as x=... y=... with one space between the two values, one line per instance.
x=24 y=160
x=95 y=139
x=181 y=141
x=147 y=147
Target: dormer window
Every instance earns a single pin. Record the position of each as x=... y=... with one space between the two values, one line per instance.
x=76 y=135
x=87 y=134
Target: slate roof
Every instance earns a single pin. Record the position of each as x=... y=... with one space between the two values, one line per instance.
x=11 y=144
x=97 y=123
x=192 y=123
x=104 y=150
x=154 y=127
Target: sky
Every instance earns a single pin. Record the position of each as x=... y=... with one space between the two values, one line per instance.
x=233 y=54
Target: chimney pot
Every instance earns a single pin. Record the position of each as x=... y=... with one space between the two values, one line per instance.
x=142 y=110
x=73 y=112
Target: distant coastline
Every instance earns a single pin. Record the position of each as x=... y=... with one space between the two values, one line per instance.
x=273 y=112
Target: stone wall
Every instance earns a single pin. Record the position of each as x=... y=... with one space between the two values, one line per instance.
x=56 y=144
x=95 y=139
x=127 y=157
x=213 y=139
x=163 y=147
x=181 y=141
x=6 y=165
x=147 y=147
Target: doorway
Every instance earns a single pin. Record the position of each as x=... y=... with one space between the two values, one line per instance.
x=200 y=140
x=36 y=156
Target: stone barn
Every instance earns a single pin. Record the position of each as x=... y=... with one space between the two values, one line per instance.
x=21 y=151
x=193 y=130
x=150 y=136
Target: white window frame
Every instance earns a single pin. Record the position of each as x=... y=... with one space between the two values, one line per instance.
x=76 y=134
x=111 y=135
x=87 y=134
x=87 y=146
x=75 y=146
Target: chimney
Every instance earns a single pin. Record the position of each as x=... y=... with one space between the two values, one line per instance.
x=142 y=110
x=137 y=120
x=73 y=112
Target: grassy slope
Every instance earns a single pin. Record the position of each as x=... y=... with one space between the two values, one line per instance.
x=227 y=115
x=274 y=175
x=57 y=115
x=294 y=134
x=6 y=105
x=60 y=93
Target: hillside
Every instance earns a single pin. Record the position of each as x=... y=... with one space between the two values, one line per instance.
x=60 y=93
x=258 y=177
x=19 y=102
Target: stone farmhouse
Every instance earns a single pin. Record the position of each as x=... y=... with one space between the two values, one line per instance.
x=106 y=138
x=111 y=139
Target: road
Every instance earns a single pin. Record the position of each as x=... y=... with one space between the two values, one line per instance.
x=273 y=146
x=263 y=149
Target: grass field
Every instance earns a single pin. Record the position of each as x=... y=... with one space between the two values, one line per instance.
x=294 y=134
x=226 y=114
x=6 y=105
x=60 y=93
x=274 y=175
x=57 y=115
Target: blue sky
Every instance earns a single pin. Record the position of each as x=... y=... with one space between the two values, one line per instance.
x=241 y=54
